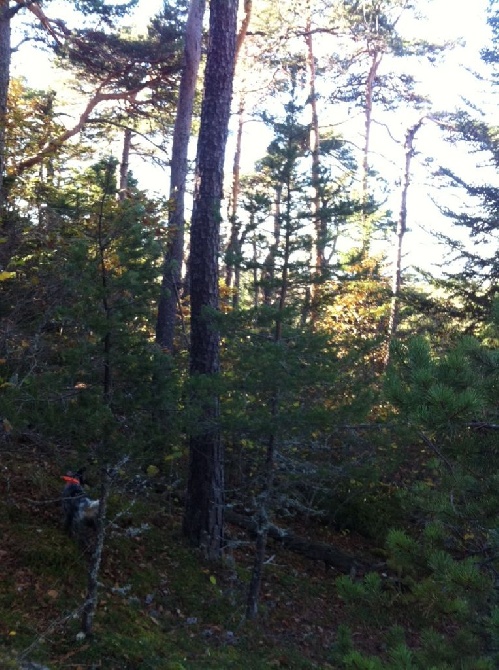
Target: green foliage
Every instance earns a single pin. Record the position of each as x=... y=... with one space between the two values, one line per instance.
x=82 y=358
x=403 y=552
x=359 y=499
x=104 y=10
x=472 y=278
x=357 y=661
x=343 y=645
x=437 y=392
x=80 y=373
x=292 y=389
x=367 y=599
x=444 y=570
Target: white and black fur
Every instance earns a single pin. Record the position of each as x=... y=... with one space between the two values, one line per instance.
x=79 y=510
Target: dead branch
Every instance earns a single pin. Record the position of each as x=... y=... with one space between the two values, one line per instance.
x=53 y=145
x=316 y=551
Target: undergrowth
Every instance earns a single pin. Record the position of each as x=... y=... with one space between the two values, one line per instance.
x=161 y=606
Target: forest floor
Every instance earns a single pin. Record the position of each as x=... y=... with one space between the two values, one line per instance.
x=161 y=606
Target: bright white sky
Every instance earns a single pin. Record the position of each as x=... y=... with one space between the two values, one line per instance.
x=446 y=84
x=447 y=20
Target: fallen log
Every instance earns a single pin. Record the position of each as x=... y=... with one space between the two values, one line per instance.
x=317 y=551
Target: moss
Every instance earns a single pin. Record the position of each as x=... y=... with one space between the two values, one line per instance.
x=161 y=606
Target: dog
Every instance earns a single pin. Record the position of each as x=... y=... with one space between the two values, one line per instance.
x=80 y=512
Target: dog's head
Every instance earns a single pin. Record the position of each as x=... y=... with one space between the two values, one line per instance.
x=76 y=478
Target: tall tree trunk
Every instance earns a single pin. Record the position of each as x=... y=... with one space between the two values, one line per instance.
x=6 y=232
x=203 y=518
x=5 y=58
x=124 y=164
x=265 y=498
x=234 y=246
x=241 y=35
x=401 y=230
x=376 y=57
x=172 y=268
x=256 y=288
x=318 y=221
x=268 y=271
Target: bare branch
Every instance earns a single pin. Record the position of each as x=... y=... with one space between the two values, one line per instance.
x=248 y=5
x=35 y=9
x=53 y=145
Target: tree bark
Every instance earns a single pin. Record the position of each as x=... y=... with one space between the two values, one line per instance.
x=234 y=246
x=90 y=605
x=172 y=269
x=401 y=230
x=316 y=551
x=318 y=220
x=376 y=57
x=268 y=272
x=124 y=164
x=5 y=58
x=203 y=518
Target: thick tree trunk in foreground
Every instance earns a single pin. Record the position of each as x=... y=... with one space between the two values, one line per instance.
x=6 y=231
x=172 y=269
x=5 y=58
x=203 y=519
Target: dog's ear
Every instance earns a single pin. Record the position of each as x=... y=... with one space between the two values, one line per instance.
x=79 y=474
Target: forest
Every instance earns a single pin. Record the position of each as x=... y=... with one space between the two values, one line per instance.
x=249 y=335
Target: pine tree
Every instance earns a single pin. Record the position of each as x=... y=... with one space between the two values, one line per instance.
x=445 y=562
x=471 y=269
x=204 y=512
x=473 y=275
x=85 y=288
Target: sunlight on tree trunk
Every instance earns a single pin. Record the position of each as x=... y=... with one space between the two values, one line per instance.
x=376 y=58
x=401 y=230
x=124 y=164
x=203 y=518
x=319 y=224
x=5 y=58
x=232 y=274
x=172 y=270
